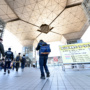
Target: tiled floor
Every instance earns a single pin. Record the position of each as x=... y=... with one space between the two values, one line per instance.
x=59 y=80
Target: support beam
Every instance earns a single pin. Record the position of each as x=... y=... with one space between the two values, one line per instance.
x=56 y=33
x=29 y=23
x=13 y=20
x=73 y=5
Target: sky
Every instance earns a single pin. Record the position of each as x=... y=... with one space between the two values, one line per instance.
x=10 y=40
x=86 y=36
x=55 y=48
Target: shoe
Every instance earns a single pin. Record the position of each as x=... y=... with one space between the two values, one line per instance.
x=16 y=70
x=42 y=77
x=4 y=73
x=48 y=74
x=8 y=71
x=22 y=70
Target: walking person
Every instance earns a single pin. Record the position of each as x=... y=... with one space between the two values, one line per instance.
x=18 y=58
x=23 y=60
x=1 y=49
x=1 y=65
x=8 y=58
x=43 y=59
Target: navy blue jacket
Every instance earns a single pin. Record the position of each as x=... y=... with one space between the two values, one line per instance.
x=2 y=50
x=9 y=55
x=38 y=48
x=23 y=60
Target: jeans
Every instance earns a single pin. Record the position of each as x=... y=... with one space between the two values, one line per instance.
x=43 y=64
x=17 y=66
x=22 y=65
x=7 y=65
x=0 y=67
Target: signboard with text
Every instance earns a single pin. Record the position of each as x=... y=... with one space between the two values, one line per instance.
x=75 y=53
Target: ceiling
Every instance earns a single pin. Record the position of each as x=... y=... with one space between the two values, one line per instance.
x=24 y=18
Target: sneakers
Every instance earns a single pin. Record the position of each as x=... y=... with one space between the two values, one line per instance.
x=42 y=77
x=48 y=74
x=8 y=71
x=4 y=73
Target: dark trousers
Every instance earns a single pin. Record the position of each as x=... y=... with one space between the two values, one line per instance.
x=43 y=64
x=13 y=65
x=22 y=65
x=0 y=67
x=7 y=65
x=17 y=66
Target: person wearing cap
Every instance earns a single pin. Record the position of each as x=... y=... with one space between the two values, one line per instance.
x=8 y=58
x=1 y=49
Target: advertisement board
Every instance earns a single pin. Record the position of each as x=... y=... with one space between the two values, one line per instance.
x=75 y=53
x=55 y=59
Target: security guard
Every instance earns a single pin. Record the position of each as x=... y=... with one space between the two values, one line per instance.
x=8 y=59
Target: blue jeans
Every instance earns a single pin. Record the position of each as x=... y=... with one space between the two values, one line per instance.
x=22 y=65
x=7 y=65
x=43 y=64
x=0 y=67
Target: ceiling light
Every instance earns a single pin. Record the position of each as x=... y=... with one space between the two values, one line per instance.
x=44 y=28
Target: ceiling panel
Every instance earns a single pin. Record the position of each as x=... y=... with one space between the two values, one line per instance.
x=50 y=37
x=66 y=25
x=36 y=9
x=27 y=42
x=6 y=13
x=71 y=20
x=23 y=30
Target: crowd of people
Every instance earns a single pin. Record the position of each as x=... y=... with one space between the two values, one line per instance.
x=8 y=61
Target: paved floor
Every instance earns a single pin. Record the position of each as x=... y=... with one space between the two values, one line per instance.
x=59 y=80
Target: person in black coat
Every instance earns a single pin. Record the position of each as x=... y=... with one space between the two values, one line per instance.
x=1 y=49
x=23 y=60
x=18 y=58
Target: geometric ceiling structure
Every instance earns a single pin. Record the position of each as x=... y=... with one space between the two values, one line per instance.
x=6 y=14
x=24 y=18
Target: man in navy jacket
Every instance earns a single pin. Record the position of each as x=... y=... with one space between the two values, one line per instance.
x=43 y=60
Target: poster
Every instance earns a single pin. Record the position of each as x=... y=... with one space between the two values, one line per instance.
x=55 y=59
x=75 y=53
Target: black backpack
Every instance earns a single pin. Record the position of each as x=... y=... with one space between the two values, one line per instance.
x=17 y=58
x=23 y=60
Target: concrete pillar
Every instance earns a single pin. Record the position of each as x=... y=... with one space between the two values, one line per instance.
x=86 y=6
